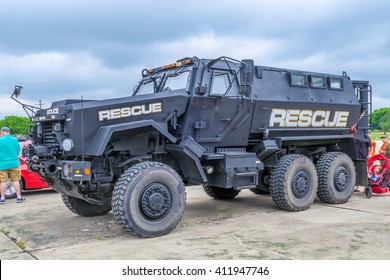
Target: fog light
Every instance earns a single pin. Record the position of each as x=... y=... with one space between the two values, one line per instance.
x=65 y=170
x=209 y=169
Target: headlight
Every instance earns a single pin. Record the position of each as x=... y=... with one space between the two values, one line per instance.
x=65 y=170
x=67 y=145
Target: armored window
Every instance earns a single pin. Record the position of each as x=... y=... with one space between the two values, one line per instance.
x=176 y=81
x=220 y=84
x=317 y=82
x=147 y=87
x=335 y=83
x=298 y=80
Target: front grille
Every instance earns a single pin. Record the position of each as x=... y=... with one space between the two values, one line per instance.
x=48 y=133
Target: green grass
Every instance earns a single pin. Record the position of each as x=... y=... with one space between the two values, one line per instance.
x=376 y=135
x=20 y=243
x=4 y=231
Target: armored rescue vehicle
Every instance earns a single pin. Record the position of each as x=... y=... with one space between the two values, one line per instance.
x=221 y=123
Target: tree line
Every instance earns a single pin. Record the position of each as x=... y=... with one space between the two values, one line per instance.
x=380 y=120
x=18 y=125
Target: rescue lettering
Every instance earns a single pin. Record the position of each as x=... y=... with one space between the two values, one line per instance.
x=125 y=112
x=308 y=118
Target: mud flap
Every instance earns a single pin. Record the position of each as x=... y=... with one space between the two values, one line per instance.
x=187 y=154
x=361 y=172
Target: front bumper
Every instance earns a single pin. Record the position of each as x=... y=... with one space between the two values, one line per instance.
x=63 y=169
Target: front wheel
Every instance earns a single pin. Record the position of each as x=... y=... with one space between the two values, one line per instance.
x=293 y=183
x=149 y=199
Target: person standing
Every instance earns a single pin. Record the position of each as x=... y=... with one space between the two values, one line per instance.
x=387 y=148
x=372 y=149
x=383 y=148
x=9 y=164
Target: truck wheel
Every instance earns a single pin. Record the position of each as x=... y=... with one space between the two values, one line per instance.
x=149 y=199
x=293 y=183
x=221 y=193
x=84 y=208
x=336 y=178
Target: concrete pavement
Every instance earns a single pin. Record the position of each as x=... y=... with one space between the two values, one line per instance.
x=247 y=227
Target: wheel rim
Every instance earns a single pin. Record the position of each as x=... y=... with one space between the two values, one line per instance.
x=10 y=190
x=341 y=179
x=156 y=201
x=300 y=184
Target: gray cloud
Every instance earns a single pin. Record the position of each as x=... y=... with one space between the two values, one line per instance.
x=62 y=49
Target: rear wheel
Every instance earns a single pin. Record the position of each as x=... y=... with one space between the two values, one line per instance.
x=149 y=199
x=336 y=178
x=293 y=183
x=84 y=208
x=221 y=193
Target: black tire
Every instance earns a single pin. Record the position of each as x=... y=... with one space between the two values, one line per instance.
x=84 y=208
x=336 y=178
x=221 y=193
x=293 y=183
x=10 y=191
x=368 y=192
x=149 y=199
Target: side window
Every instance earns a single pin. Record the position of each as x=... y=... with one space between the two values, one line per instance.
x=298 y=80
x=317 y=82
x=220 y=83
x=335 y=83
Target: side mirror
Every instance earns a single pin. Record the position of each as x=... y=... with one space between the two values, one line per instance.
x=17 y=91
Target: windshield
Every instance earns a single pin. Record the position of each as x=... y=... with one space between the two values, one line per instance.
x=176 y=81
x=148 y=86
x=162 y=81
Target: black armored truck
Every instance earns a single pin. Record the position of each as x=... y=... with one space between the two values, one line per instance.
x=222 y=124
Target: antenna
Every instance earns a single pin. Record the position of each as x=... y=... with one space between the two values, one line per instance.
x=82 y=128
x=40 y=104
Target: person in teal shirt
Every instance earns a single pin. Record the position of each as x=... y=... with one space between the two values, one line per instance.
x=9 y=164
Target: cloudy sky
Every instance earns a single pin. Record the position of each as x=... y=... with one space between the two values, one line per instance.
x=58 y=49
